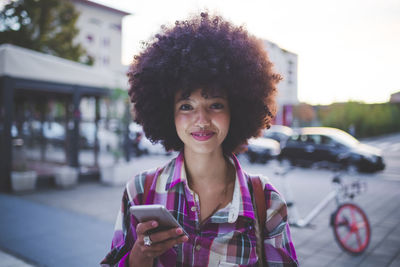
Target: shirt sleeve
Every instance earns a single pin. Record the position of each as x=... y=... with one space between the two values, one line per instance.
x=124 y=236
x=278 y=246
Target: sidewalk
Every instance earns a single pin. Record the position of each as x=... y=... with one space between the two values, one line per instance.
x=8 y=260
x=48 y=236
x=74 y=227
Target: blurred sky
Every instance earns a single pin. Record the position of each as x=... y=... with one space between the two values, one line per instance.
x=347 y=49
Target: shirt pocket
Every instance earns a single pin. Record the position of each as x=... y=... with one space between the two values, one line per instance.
x=236 y=248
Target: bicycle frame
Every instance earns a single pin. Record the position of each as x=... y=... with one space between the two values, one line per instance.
x=314 y=212
x=295 y=220
x=349 y=222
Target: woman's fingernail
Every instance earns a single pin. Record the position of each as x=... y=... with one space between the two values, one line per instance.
x=185 y=238
x=179 y=231
x=154 y=224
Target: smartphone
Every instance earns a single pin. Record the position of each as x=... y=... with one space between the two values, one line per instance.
x=158 y=213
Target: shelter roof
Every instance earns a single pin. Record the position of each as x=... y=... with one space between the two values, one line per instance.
x=18 y=62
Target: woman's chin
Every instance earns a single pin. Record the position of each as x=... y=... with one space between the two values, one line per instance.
x=204 y=149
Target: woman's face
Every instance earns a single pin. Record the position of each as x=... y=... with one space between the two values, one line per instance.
x=202 y=120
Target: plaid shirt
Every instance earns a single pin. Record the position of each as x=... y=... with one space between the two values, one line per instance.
x=227 y=238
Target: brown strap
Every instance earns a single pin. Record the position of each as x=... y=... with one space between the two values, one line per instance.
x=261 y=207
x=147 y=184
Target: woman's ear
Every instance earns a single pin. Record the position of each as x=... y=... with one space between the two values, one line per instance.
x=133 y=111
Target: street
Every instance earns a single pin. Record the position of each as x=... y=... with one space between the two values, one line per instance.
x=315 y=245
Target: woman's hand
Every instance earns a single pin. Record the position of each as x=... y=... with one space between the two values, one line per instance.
x=142 y=255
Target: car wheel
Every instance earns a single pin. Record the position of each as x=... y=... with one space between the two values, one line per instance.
x=286 y=163
x=352 y=169
x=252 y=158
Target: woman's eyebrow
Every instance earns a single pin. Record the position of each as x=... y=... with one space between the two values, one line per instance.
x=219 y=96
x=183 y=98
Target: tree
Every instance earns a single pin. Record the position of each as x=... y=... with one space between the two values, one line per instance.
x=368 y=119
x=304 y=113
x=43 y=25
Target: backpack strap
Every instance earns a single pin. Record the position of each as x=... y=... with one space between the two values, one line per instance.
x=147 y=184
x=261 y=210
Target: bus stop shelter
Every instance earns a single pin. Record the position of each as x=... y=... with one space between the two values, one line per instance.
x=34 y=76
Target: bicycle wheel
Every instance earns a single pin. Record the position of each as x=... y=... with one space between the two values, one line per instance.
x=351 y=228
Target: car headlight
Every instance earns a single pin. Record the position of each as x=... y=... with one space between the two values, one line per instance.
x=371 y=158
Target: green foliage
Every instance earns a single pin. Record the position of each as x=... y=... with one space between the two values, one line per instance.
x=367 y=119
x=43 y=25
x=119 y=94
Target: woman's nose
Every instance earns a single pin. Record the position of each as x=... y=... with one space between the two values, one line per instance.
x=203 y=118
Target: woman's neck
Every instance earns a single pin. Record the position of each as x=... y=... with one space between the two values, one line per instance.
x=206 y=169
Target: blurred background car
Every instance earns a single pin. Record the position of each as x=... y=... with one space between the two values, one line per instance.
x=54 y=132
x=262 y=149
x=279 y=133
x=141 y=145
x=147 y=147
x=108 y=139
x=330 y=147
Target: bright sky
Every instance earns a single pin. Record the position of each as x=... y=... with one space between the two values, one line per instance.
x=347 y=49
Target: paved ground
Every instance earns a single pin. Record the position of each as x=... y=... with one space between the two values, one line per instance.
x=74 y=227
x=8 y=260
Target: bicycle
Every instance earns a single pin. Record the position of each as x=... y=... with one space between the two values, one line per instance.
x=350 y=224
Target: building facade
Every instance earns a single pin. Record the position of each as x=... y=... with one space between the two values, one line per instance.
x=101 y=33
x=285 y=63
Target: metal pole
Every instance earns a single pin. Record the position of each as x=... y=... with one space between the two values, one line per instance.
x=75 y=138
x=96 y=134
x=6 y=116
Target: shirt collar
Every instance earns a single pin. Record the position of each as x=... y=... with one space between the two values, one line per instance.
x=241 y=202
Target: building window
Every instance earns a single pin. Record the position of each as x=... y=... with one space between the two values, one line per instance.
x=116 y=27
x=106 y=42
x=95 y=21
x=106 y=61
x=290 y=72
x=90 y=38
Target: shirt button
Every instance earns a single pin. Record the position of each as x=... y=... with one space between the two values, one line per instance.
x=193 y=208
x=198 y=247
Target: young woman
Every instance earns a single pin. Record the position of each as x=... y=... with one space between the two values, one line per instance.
x=203 y=87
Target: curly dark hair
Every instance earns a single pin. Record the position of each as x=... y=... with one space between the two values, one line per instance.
x=210 y=53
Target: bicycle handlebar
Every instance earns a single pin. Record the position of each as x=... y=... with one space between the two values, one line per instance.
x=353 y=189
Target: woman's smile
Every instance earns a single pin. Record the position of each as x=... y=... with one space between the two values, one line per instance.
x=202 y=135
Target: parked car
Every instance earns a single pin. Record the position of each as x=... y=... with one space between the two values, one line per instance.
x=54 y=132
x=331 y=147
x=148 y=147
x=279 y=133
x=141 y=144
x=262 y=149
x=107 y=139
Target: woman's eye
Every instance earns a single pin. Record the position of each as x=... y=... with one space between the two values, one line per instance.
x=217 y=106
x=185 y=107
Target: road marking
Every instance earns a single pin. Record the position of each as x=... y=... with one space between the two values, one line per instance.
x=395 y=147
x=389 y=176
x=389 y=146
